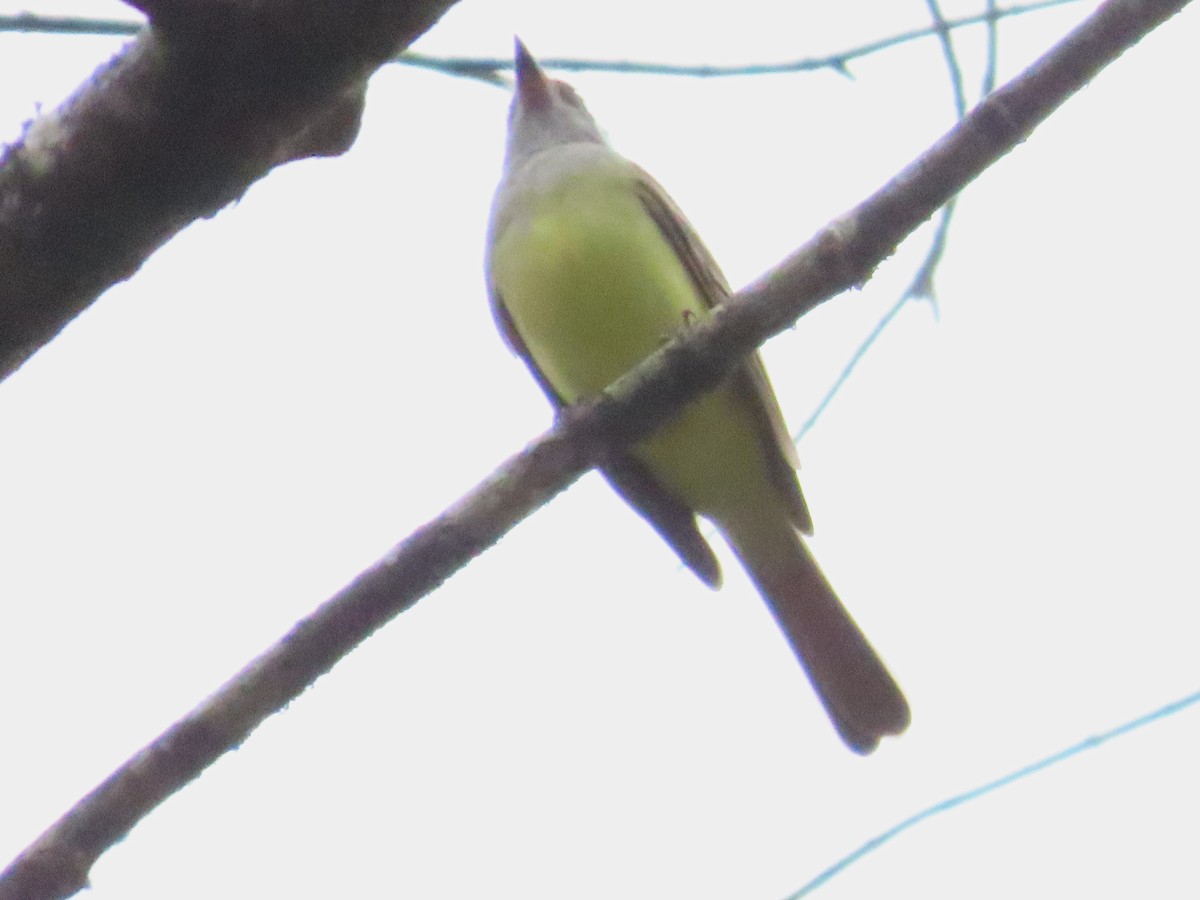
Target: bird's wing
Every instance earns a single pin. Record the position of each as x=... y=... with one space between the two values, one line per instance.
x=674 y=521
x=750 y=379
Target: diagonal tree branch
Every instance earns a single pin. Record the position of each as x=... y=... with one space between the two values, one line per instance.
x=196 y=109
x=839 y=257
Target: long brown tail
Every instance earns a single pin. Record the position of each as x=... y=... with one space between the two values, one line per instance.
x=858 y=692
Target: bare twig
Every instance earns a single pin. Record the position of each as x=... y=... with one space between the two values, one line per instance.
x=488 y=68
x=848 y=369
x=1091 y=742
x=989 y=69
x=921 y=287
x=838 y=62
x=32 y=23
x=840 y=256
x=942 y=27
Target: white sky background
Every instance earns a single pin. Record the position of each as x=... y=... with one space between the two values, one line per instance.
x=1005 y=498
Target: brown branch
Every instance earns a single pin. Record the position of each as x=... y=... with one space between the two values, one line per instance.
x=840 y=256
x=197 y=108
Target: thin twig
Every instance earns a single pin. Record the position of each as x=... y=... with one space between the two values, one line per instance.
x=31 y=23
x=946 y=40
x=487 y=69
x=921 y=287
x=993 y=46
x=838 y=62
x=849 y=367
x=942 y=806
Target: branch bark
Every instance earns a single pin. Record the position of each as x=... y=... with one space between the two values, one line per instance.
x=840 y=256
x=202 y=104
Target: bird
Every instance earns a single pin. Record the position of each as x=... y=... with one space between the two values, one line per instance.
x=590 y=268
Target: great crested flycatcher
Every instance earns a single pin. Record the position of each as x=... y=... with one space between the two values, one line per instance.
x=590 y=267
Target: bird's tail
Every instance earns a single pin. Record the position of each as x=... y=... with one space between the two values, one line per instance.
x=854 y=685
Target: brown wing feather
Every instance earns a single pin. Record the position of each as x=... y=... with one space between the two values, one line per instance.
x=673 y=520
x=751 y=379
x=512 y=337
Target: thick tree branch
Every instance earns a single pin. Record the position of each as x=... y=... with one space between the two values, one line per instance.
x=201 y=105
x=841 y=256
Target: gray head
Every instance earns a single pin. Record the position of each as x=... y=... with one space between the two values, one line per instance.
x=544 y=112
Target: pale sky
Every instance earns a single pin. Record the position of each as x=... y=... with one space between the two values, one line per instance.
x=1004 y=495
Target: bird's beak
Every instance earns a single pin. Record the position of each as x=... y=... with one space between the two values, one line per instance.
x=533 y=87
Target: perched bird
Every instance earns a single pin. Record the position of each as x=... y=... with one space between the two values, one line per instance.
x=590 y=268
